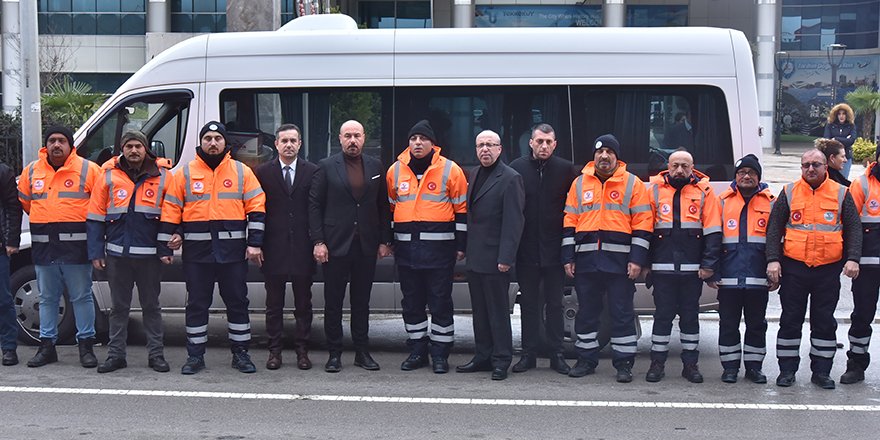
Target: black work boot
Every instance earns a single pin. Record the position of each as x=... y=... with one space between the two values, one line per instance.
x=854 y=373
x=656 y=371
x=692 y=373
x=10 y=357
x=241 y=361
x=86 y=354
x=624 y=372
x=46 y=354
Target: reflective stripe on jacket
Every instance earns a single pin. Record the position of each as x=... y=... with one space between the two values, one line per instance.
x=814 y=232
x=124 y=215
x=57 y=203
x=744 y=231
x=866 y=194
x=607 y=224
x=219 y=211
x=430 y=215
x=687 y=225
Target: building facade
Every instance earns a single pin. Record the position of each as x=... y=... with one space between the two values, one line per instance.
x=102 y=42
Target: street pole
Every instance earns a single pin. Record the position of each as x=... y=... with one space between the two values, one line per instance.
x=30 y=83
x=835 y=61
x=782 y=59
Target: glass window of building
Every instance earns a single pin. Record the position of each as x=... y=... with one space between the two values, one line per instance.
x=288 y=11
x=92 y=17
x=198 y=16
x=814 y=24
x=395 y=14
x=538 y=16
x=656 y=15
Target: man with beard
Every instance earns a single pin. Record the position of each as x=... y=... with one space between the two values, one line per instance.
x=814 y=231
x=54 y=191
x=607 y=232
x=684 y=252
x=219 y=205
x=123 y=224
x=350 y=225
x=539 y=271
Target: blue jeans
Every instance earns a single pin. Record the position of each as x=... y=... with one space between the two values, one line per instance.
x=78 y=279
x=8 y=323
x=846 y=167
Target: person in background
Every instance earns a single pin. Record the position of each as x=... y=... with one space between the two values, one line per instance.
x=842 y=128
x=835 y=156
x=10 y=235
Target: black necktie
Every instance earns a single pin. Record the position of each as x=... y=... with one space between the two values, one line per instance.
x=287 y=178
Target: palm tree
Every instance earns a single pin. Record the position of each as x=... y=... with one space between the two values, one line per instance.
x=865 y=101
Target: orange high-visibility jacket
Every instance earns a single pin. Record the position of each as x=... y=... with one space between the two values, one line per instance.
x=57 y=202
x=814 y=232
x=744 y=230
x=219 y=211
x=607 y=224
x=866 y=194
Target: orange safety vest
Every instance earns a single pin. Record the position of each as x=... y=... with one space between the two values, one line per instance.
x=611 y=221
x=220 y=210
x=814 y=232
x=866 y=194
x=699 y=216
x=743 y=260
x=57 y=202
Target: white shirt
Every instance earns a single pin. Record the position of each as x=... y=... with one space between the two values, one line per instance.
x=292 y=169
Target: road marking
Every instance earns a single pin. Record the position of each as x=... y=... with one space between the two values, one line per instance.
x=441 y=400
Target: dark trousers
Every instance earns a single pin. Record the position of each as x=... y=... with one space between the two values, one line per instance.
x=541 y=304
x=431 y=288
x=356 y=269
x=676 y=295
x=8 y=320
x=122 y=275
x=865 y=291
x=733 y=305
x=276 y=285
x=232 y=281
x=821 y=285
x=493 y=338
x=615 y=290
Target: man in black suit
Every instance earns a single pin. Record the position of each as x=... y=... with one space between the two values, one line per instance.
x=496 y=200
x=349 y=220
x=288 y=253
x=539 y=270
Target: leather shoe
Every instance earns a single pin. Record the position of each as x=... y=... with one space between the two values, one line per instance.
x=10 y=357
x=440 y=365
x=526 y=363
x=582 y=368
x=823 y=380
x=274 y=361
x=729 y=375
x=785 y=379
x=193 y=365
x=755 y=375
x=159 y=364
x=364 y=360
x=303 y=362
x=474 y=366
x=414 y=362
x=112 y=364
x=499 y=373
x=558 y=364
x=334 y=363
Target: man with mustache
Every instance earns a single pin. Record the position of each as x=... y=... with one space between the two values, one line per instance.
x=288 y=254
x=54 y=190
x=814 y=231
x=123 y=224
x=685 y=250
x=218 y=204
x=607 y=232
x=350 y=226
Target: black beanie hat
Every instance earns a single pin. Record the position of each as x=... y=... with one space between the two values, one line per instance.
x=749 y=161
x=607 y=141
x=68 y=133
x=423 y=128
x=214 y=126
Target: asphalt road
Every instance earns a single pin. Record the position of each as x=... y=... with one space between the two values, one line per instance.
x=64 y=401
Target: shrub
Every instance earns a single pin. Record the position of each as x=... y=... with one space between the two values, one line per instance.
x=863 y=149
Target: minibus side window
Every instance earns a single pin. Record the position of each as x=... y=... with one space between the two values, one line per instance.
x=162 y=118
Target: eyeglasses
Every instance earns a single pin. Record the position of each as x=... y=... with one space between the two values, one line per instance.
x=815 y=165
x=750 y=173
x=487 y=145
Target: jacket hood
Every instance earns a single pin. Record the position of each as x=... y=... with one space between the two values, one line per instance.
x=850 y=115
